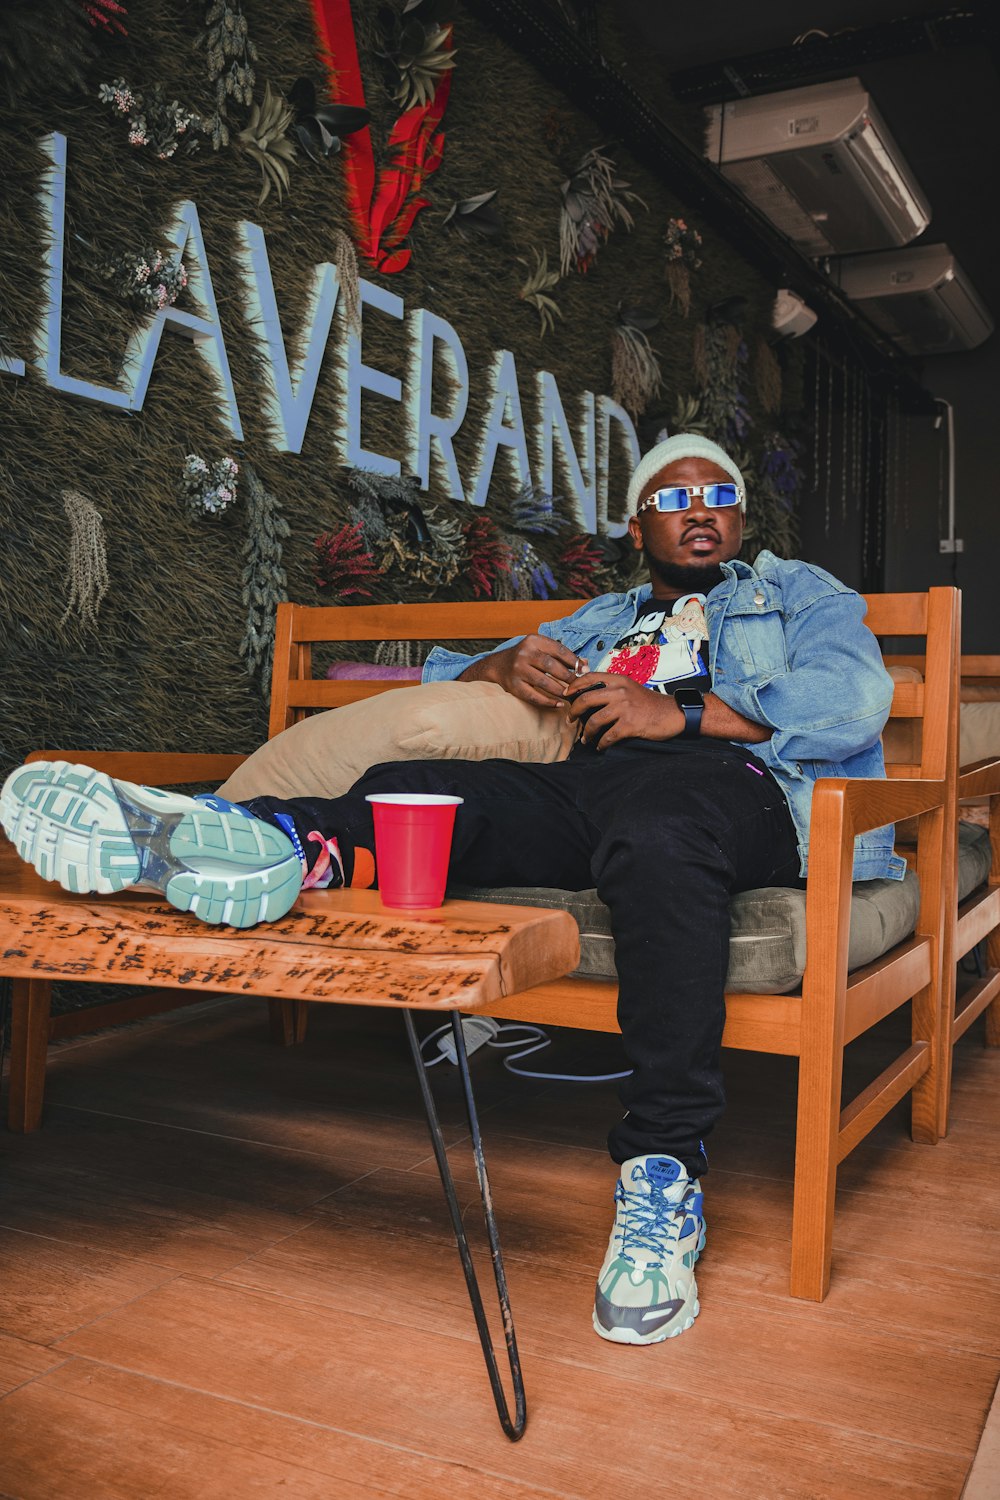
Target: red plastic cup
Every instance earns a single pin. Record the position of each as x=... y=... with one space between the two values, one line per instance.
x=412 y=846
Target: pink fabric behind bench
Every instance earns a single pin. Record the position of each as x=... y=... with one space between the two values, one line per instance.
x=360 y=670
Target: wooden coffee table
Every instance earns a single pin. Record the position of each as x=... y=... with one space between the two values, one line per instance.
x=333 y=947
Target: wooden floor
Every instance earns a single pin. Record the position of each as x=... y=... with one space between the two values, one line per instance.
x=225 y=1271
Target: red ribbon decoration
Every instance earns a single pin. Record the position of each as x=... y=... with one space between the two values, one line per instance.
x=383 y=214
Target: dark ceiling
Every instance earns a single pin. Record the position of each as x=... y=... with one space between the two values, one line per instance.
x=942 y=103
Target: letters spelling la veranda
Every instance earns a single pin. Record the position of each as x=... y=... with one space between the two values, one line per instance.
x=433 y=399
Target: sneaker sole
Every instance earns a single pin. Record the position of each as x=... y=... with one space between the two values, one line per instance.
x=686 y=1316
x=88 y=832
x=630 y=1336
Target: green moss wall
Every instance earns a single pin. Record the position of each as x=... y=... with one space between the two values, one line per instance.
x=162 y=667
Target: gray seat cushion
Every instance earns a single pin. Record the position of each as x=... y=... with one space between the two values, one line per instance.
x=973 y=857
x=767 y=952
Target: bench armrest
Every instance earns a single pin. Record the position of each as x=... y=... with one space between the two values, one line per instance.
x=870 y=802
x=981 y=779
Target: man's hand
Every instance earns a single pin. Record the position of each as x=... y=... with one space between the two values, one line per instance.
x=613 y=708
x=536 y=670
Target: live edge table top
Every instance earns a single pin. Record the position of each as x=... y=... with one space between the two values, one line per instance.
x=340 y=946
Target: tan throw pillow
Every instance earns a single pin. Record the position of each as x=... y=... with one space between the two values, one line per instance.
x=325 y=754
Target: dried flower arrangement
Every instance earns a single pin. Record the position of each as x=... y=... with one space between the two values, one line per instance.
x=418 y=50
x=209 y=489
x=149 y=280
x=230 y=56
x=265 y=138
x=536 y=289
x=594 y=202
x=683 y=246
x=636 y=378
x=264 y=581
x=342 y=563
x=153 y=120
x=88 y=563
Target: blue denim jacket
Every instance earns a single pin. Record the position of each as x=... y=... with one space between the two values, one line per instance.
x=788 y=648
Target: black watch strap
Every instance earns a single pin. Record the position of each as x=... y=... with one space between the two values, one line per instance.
x=692 y=705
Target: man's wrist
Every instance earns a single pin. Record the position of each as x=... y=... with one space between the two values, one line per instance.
x=692 y=705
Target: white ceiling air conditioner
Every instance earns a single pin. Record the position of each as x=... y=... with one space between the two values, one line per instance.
x=821 y=165
x=920 y=297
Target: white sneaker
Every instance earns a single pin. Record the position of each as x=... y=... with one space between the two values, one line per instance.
x=646 y=1290
x=207 y=856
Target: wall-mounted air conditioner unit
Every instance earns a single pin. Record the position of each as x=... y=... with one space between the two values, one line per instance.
x=821 y=165
x=920 y=297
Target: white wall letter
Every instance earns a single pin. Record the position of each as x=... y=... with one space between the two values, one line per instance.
x=202 y=328
x=48 y=343
x=361 y=377
x=553 y=430
x=425 y=427
x=288 y=390
x=504 y=395
x=610 y=412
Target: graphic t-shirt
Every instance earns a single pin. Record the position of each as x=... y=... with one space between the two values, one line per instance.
x=666 y=648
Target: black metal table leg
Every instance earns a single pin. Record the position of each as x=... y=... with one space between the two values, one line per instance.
x=514 y=1429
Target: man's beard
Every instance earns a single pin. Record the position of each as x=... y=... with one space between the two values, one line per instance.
x=690 y=578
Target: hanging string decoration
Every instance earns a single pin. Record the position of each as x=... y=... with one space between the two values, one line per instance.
x=683 y=256
x=384 y=208
x=209 y=489
x=264 y=581
x=636 y=378
x=88 y=561
x=594 y=202
x=346 y=262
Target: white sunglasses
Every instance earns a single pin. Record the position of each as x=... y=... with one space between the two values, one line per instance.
x=679 y=497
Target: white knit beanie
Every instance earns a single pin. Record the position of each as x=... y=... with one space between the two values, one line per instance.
x=681 y=445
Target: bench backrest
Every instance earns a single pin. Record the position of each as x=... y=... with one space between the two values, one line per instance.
x=925 y=713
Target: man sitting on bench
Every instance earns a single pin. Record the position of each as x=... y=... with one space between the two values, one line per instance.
x=708 y=702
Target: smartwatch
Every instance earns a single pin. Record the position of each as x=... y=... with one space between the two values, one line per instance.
x=692 y=705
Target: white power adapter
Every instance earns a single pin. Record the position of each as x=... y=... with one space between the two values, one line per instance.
x=477 y=1030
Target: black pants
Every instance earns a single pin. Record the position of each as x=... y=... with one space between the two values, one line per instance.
x=666 y=835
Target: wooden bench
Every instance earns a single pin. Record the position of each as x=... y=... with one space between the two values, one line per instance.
x=976 y=924
x=831 y=1007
